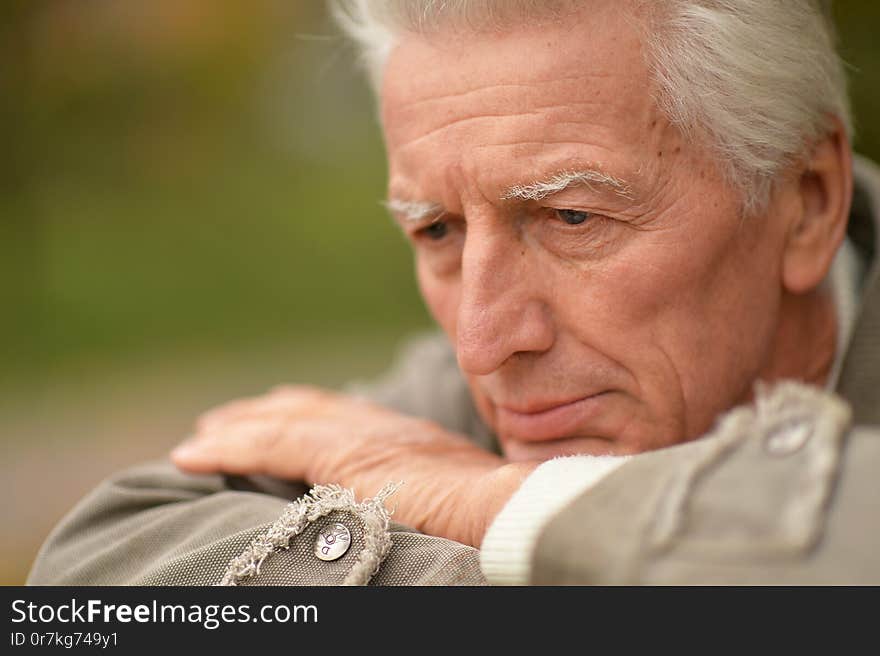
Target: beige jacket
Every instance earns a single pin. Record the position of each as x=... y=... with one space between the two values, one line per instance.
x=782 y=491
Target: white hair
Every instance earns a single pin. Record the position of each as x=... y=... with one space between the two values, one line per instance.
x=564 y=180
x=759 y=81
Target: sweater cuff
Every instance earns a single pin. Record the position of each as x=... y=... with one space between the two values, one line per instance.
x=506 y=553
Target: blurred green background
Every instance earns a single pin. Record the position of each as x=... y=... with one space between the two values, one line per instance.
x=189 y=212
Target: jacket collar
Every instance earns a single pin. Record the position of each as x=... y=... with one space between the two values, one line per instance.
x=859 y=379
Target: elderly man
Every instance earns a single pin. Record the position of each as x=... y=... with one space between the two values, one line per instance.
x=633 y=222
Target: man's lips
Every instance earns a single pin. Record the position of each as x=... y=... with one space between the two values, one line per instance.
x=548 y=421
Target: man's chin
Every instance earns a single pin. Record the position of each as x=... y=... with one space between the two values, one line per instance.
x=522 y=451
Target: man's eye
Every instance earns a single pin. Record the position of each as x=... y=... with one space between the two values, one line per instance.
x=436 y=231
x=573 y=217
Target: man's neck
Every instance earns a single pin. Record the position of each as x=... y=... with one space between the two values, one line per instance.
x=805 y=344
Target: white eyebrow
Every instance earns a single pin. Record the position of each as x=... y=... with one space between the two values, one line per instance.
x=413 y=210
x=565 y=179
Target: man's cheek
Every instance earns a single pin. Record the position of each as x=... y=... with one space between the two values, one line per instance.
x=625 y=300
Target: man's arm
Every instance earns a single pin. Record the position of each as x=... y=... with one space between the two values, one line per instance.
x=153 y=525
x=752 y=501
x=156 y=525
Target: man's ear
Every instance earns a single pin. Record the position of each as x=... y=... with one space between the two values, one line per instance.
x=824 y=190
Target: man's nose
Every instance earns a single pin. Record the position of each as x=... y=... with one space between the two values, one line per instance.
x=502 y=310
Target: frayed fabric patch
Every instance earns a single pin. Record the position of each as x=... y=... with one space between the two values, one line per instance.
x=788 y=422
x=299 y=514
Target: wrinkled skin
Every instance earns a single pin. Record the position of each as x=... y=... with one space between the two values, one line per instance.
x=595 y=320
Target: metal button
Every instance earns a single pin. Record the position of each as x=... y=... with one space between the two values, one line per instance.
x=788 y=439
x=333 y=541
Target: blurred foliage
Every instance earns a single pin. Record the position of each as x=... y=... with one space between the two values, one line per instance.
x=188 y=173
x=858 y=23
x=206 y=174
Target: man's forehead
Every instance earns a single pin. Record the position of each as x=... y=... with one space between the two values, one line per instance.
x=519 y=115
x=595 y=58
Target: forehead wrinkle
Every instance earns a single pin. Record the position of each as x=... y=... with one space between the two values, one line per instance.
x=413 y=210
x=502 y=87
x=451 y=124
x=564 y=179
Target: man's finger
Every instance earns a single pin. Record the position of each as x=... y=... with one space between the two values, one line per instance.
x=254 y=447
x=288 y=400
x=225 y=413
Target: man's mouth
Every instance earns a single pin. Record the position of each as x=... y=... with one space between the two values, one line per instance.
x=549 y=421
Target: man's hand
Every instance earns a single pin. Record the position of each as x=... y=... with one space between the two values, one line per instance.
x=451 y=487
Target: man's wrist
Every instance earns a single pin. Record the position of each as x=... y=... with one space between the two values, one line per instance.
x=498 y=486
